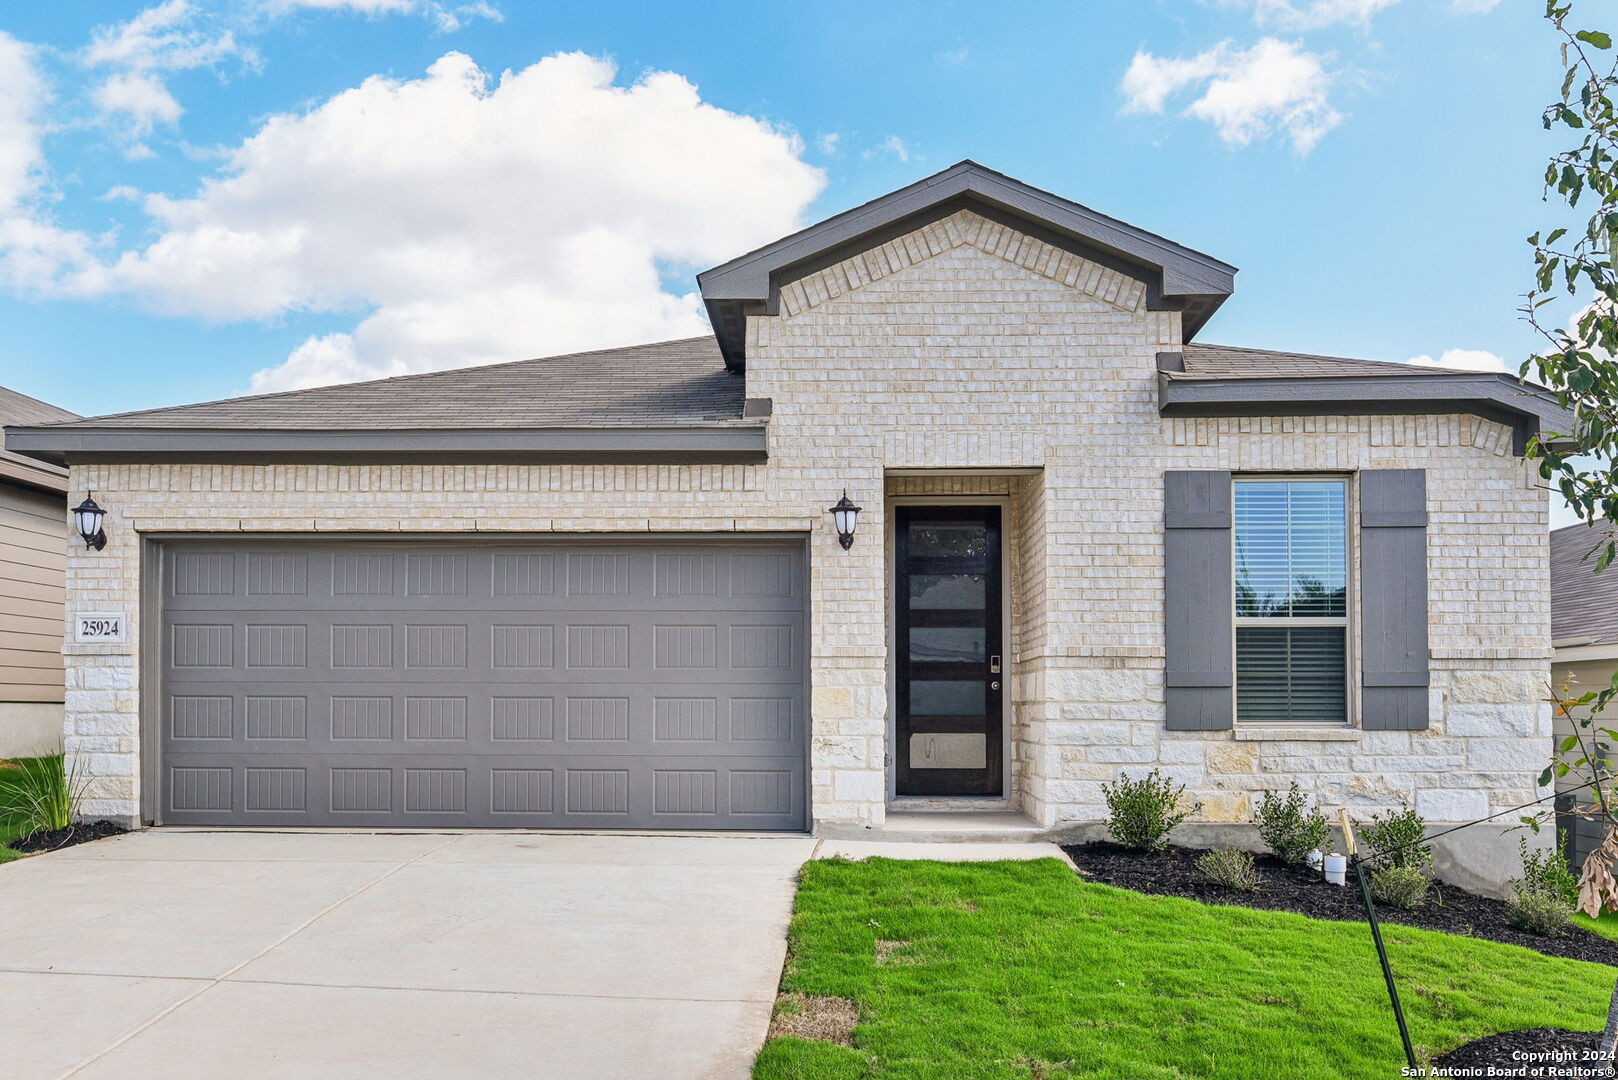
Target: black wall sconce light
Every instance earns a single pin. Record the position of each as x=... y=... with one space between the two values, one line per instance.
x=845 y=516
x=87 y=517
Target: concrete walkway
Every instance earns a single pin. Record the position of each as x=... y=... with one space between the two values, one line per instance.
x=180 y=954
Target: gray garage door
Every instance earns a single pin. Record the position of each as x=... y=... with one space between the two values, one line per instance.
x=585 y=684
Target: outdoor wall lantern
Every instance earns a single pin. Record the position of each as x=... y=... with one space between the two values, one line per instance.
x=844 y=516
x=87 y=519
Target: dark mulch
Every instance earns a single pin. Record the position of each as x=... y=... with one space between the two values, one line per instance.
x=1172 y=872
x=1544 y=1051
x=81 y=833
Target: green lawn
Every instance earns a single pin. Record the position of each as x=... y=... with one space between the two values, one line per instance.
x=1606 y=926
x=7 y=834
x=1024 y=970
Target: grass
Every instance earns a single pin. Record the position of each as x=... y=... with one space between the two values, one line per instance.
x=1023 y=970
x=10 y=773
x=1606 y=925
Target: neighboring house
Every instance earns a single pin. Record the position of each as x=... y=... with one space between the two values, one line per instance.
x=1584 y=637
x=605 y=589
x=33 y=539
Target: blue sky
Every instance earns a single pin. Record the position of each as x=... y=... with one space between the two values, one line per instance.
x=201 y=198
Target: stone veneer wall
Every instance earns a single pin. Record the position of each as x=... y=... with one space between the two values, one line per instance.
x=964 y=345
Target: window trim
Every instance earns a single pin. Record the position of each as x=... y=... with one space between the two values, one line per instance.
x=1349 y=622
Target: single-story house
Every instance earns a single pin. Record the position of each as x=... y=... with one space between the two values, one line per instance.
x=33 y=528
x=1584 y=642
x=608 y=589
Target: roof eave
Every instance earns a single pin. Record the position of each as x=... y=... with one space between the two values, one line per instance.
x=727 y=443
x=1528 y=410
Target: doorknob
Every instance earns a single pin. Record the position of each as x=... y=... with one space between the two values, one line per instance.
x=995 y=685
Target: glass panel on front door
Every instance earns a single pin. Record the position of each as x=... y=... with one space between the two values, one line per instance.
x=949 y=674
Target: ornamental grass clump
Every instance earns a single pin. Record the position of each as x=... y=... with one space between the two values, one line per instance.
x=1544 y=899
x=1231 y=868
x=1141 y=812
x=40 y=795
x=1288 y=827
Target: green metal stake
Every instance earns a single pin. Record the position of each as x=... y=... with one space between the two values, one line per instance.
x=1382 y=954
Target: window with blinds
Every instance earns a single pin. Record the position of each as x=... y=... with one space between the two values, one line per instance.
x=1291 y=563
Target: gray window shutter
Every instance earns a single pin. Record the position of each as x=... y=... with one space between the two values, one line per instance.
x=1199 y=680
x=1393 y=599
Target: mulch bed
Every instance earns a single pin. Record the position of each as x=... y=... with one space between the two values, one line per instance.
x=81 y=833
x=1542 y=1051
x=1172 y=872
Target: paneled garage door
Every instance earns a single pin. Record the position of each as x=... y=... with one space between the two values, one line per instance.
x=585 y=684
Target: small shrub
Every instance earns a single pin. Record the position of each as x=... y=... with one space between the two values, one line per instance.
x=1402 y=887
x=1398 y=839
x=1141 y=812
x=1229 y=867
x=1539 y=911
x=1545 y=870
x=1543 y=900
x=40 y=795
x=1288 y=828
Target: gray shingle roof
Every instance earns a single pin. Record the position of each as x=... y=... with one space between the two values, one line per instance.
x=18 y=408
x=1584 y=604
x=667 y=383
x=1233 y=362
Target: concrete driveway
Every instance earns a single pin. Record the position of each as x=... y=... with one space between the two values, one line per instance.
x=180 y=954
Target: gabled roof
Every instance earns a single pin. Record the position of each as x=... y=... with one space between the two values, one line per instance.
x=669 y=398
x=1177 y=277
x=1584 y=604
x=1224 y=380
x=18 y=408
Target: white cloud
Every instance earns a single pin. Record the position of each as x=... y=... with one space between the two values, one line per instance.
x=141 y=97
x=1462 y=360
x=1474 y=7
x=829 y=142
x=448 y=18
x=22 y=98
x=1247 y=94
x=173 y=36
x=465 y=221
x=160 y=38
x=953 y=57
x=1317 y=14
x=892 y=145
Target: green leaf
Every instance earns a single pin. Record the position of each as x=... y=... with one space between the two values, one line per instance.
x=1595 y=37
x=1545 y=778
x=1568 y=743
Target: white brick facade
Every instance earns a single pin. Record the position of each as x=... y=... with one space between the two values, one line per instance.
x=963 y=346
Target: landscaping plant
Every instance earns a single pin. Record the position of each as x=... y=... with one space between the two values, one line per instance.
x=1403 y=887
x=41 y=795
x=1229 y=867
x=1544 y=899
x=1140 y=812
x=1398 y=838
x=1288 y=827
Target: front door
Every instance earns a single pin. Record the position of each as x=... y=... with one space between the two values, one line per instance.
x=947 y=641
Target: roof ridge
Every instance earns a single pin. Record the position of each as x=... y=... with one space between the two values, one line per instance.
x=409 y=377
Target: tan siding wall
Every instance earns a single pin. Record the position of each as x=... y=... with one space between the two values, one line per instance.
x=33 y=532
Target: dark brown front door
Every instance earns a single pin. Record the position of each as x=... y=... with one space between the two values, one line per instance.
x=949 y=670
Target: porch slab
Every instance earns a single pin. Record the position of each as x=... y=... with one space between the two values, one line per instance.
x=978 y=852
x=944 y=827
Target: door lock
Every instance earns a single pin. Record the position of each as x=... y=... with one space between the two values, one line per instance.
x=994 y=665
